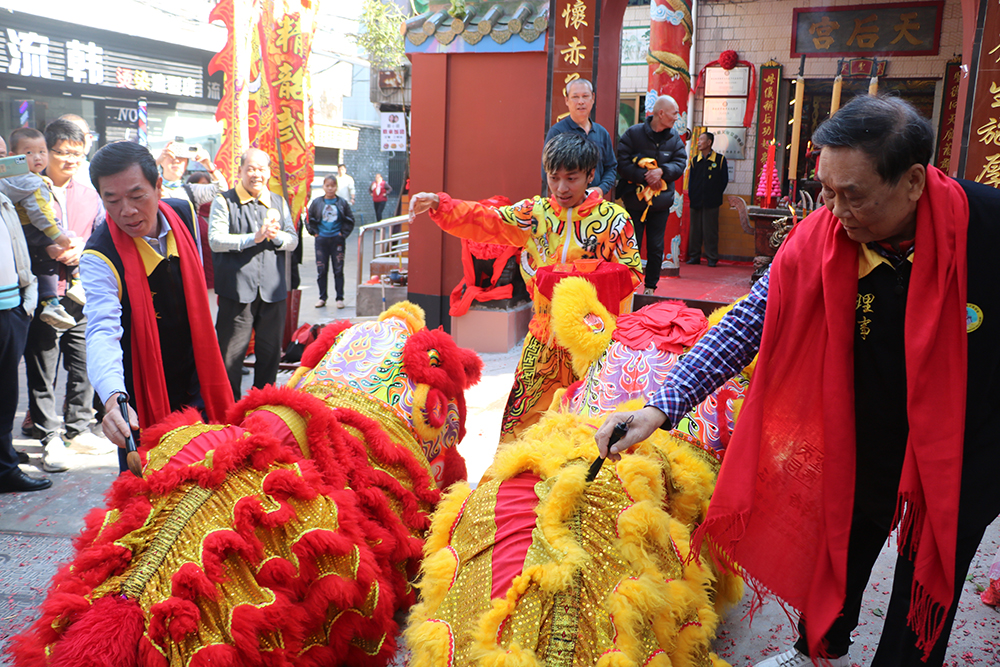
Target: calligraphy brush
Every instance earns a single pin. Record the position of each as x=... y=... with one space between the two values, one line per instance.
x=132 y=458
x=621 y=428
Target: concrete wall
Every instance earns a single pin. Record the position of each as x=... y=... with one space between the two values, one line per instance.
x=761 y=31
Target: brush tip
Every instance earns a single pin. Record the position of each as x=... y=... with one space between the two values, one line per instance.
x=134 y=463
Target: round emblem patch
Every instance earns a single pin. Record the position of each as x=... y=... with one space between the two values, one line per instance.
x=973 y=317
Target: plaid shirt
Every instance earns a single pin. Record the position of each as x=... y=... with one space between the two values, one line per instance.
x=723 y=352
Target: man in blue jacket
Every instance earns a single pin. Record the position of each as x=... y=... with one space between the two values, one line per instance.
x=580 y=102
x=331 y=221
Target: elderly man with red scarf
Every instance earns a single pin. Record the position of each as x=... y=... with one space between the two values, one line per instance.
x=149 y=333
x=873 y=403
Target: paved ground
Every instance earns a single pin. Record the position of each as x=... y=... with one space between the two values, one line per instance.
x=36 y=529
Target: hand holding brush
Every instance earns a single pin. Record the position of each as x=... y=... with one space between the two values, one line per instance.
x=132 y=458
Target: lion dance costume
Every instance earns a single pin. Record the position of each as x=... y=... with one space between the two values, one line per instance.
x=288 y=536
x=548 y=235
x=536 y=567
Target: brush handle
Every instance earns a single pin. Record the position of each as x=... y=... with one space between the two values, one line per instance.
x=130 y=446
x=621 y=428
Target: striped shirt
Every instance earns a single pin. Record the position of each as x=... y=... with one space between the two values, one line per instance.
x=723 y=352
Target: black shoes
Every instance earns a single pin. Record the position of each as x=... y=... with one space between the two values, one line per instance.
x=694 y=260
x=16 y=481
x=713 y=262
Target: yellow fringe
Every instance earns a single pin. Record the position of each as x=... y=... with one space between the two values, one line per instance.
x=669 y=487
x=410 y=313
x=432 y=644
x=573 y=299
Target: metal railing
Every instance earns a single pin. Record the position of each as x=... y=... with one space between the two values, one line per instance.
x=385 y=244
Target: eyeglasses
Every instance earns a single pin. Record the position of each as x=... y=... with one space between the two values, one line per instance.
x=68 y=155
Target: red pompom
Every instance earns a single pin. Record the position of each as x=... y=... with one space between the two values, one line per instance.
x=728 y=59
x=106 y=636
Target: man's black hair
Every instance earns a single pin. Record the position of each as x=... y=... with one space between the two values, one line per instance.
x=331 y=177
x=117 y=157
x=19 y=135
x=887 y=129
x=711 y=137
x=63 y=130
x=571 y=152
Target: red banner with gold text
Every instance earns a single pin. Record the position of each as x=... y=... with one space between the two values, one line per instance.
x=767 y=116
x=265 y=102
x=949 y=107
x=983 y=158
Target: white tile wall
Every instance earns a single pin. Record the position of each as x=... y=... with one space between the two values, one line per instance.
x=760 y=31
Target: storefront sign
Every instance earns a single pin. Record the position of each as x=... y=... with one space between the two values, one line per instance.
x=983 y=158
x=730 y=142
x=767 y=114
x=30 y=54
x=720 y=82
x=333 y=136
x=393 y=131
x=949 y=107
x=905 y=28
x=572 y=54
x=725 y=111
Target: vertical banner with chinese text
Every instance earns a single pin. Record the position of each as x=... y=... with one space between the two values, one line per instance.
x=949 y=107
x=266 y=102
x=983 y=157
x=669 y=60
x=573 y=55
x=767 y=117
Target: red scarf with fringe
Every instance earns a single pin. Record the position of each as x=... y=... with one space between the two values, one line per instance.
x=148 y=382
x=783 y=502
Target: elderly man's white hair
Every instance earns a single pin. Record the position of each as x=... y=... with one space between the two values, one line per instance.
x=585 y=82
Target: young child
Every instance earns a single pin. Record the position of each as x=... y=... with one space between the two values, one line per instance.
x=32 y=197
x=572 y=223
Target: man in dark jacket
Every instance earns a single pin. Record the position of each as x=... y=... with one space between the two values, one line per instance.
x=580 y=102
x=651 y=156
x=331 y=221
x=707 y=181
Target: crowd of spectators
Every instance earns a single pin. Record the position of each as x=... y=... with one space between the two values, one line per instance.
x=100 y=273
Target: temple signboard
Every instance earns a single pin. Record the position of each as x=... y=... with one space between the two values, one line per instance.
x=904 y=29
x=572 y=52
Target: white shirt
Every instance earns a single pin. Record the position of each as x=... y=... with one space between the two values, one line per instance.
x=105 y=366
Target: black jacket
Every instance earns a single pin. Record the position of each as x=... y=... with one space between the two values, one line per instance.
x=707 y=181
x=666 y=147
x=344 y=215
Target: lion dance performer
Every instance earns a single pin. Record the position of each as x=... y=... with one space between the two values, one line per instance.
x=573 y=223
x=537 y=566
x=288 y=536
